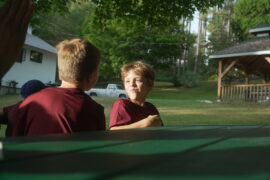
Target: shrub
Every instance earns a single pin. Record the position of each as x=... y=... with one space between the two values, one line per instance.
x=189 y=79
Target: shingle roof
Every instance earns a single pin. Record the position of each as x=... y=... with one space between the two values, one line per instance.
x=255 y=46
x=262 y=26
x=35 y=41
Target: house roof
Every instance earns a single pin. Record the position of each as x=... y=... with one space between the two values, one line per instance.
x=35 y=41
x=252 y=47
x=261 y=28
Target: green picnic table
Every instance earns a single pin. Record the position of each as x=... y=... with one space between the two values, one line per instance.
x=177 y=152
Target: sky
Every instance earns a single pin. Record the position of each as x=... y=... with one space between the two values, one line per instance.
x=195 y=22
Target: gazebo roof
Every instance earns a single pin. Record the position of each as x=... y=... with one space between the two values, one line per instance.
x=252 y=56
x=252 y=47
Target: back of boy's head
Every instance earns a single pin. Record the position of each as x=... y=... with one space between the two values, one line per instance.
x=140 y=68
x=76 y=60
x=31 y=87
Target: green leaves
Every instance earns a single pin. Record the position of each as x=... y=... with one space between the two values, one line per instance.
x=248 y=14
x=151 y=12
x=123 y=41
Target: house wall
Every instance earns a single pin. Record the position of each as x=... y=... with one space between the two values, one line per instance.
x=27 y=70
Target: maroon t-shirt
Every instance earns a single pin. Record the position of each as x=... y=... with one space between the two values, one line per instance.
x=10 y=117
x=58 y=110
x=125 y=112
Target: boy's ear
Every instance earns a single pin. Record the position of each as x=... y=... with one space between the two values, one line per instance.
x=93 y=77
x=151 y=83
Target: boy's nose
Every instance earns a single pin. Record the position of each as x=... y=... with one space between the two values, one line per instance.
x=133 y=83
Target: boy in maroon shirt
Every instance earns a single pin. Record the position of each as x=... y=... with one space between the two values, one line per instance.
x=7 y=113
x=138 y=78
x=65 y=109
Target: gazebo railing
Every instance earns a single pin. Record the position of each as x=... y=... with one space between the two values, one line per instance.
x=245 y=93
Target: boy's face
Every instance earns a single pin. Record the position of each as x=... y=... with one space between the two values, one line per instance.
x=136 y=86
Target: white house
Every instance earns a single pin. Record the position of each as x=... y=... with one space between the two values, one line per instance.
x=36 y=61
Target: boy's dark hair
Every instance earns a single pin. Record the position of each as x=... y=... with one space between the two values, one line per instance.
x=31 y=87
x=77 y=58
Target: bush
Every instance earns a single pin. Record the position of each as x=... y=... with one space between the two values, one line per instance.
x=189 y=79
x=176 y=81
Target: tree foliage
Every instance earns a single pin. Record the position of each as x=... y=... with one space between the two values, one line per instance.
x=219 y=29
x=122 y=41
x=153 y=12
x=56 y=27
x=150 y=11
x=124 y=30
x=248 y=14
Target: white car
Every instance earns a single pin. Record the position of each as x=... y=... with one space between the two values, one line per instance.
x=112 y=90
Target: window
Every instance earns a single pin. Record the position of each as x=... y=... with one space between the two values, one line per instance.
x=36 y=56
x=21 y=57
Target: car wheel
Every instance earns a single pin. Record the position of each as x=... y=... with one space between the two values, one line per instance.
x=122 y=96
x=93 y=94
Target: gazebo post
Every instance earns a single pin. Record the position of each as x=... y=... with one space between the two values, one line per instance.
x=220 y=62
x=221 y=75
x=246 y=77
x=265 y=79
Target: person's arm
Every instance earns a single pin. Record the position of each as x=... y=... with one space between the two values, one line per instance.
x=150 y=121
x=15 y=16
x=3 y=117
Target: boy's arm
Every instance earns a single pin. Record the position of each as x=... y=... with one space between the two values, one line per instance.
x=150 y=121
x=3 y=116
x=15 y=16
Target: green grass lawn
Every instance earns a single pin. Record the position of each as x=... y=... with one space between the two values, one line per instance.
x=182 y=106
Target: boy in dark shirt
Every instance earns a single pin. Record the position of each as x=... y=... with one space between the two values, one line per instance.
x=138 y=78
x=7 y=113
x=65 y=109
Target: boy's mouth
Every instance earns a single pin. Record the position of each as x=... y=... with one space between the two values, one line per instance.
x=133 y=90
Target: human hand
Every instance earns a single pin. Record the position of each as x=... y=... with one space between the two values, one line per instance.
x=15 y=16
x=152 y=120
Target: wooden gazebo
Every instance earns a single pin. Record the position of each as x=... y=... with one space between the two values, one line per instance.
x=251 y=57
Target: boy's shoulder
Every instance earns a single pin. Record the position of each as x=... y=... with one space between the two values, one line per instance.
x=122 y=101
x=66 y=96
x=59 y=91
x=127 y=102
x=148 y=104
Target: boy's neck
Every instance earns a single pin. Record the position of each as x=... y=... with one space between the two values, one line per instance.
x=138 y=102
x=66 y=84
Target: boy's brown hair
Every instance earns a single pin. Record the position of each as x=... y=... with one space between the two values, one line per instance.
x=140 y=68
x=77 y=58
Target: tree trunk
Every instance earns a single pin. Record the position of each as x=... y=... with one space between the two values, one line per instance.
x=198 y=44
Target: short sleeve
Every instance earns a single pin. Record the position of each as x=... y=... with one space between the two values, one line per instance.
x=101 y=122
x=119 y=115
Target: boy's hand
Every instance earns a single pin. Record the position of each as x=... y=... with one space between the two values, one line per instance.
x=15 y=16
x=152 y=120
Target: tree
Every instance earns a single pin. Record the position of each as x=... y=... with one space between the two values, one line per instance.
x=56 y=27
x=149 y=11
x=122 y=41
x=125 y=31
x=219 y=29
x=248 y=14
x=152 y=12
